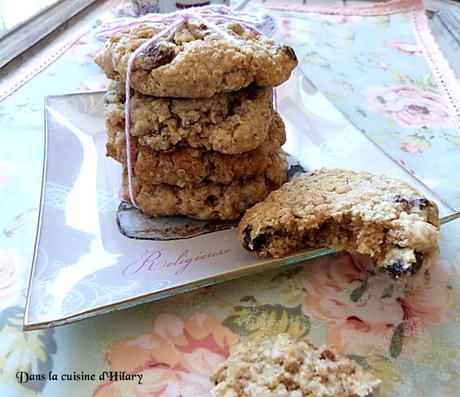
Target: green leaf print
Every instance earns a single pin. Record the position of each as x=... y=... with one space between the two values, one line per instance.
x=343 y=86
x=361 y=112
x=358 y=292
x=315 y=59
x=401 y=79
x=253 y=318
x=249 y=299
x=24 y=351
x=397 y=339
x=428 y=84
x=426 y=278
x=453 y=139
x=419 y=141
x=388 y=292
x=19 y=222
x=382 y=21
x=287 y=274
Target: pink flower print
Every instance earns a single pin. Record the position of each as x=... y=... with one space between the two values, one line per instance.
x=404 y=47
x=365 y=309
x=409 y=106
x=409 y=147
x=12 y=268
x=175 y=358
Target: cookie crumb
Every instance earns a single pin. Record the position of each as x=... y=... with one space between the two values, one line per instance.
x=280 y=366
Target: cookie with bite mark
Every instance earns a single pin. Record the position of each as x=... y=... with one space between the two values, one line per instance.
x=376 y=215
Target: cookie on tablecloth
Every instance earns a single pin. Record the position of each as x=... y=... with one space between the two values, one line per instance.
x=280 y=366
x=355 y=211
x=196 y=61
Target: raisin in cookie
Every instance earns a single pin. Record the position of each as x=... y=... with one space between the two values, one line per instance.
x=355 y=211
x=230 y=123
x=209 y=200
x=197 y=61
x=187 y=166
x=280 y=366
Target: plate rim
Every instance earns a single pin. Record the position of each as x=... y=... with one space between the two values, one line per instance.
x=40 y=213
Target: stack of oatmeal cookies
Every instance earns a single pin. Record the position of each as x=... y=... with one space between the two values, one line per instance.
x=204 y=136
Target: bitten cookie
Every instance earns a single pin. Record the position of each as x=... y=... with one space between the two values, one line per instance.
x=279 y=366
x=187 y=166
x=197 y=61
x=355 y=211
x=207 y=201
x=230 y=123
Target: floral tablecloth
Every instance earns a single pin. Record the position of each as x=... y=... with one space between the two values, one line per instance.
x=407 y=335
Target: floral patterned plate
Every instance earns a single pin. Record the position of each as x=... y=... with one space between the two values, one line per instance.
x=84 y=266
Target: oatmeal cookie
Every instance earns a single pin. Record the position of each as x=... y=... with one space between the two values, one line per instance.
x=187 y=166
x=230 y=123
x=280 y=366
x=355 y=211
x=197 y=61
x=209 y=200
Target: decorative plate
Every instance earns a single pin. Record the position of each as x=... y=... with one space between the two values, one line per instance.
x=83 y=265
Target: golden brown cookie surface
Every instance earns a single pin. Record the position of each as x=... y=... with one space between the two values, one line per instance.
x=186 y=166
x=231 y=123
x=209 y=200
x=197 y=61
